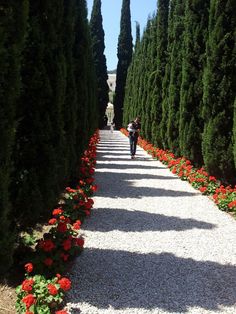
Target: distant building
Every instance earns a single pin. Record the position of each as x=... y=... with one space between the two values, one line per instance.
x=111 y=82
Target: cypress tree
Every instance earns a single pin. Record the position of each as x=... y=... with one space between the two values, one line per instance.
x=124 y=54
x=166 y=79
x=98 y=47
x=13 y=19
x=234 y=132
x=175 y=75
x=194 y=45
x=160 y=42
x=131 y=82
x=219 y=90
x=84 y=78
x=38 y=139
x=70 y=108
x=148 y=76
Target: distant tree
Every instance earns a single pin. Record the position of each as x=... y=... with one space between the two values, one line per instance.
x=124 y=54
x=13 y=21
x=220 y=90
x=98 y=47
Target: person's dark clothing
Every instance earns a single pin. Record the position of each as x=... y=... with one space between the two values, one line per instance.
x=133 y=138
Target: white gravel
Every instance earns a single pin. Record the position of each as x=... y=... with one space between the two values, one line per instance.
x=153 y=243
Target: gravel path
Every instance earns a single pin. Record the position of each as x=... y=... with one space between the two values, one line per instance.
x=153 y=243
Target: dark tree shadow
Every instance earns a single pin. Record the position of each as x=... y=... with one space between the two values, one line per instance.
x=139 y=221
x=129 y=165
x=126 y=280
x=124 y=187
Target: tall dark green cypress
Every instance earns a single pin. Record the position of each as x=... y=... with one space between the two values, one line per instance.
x=220 y=90
x=82 y=70
x=13 y=19
x=148 y=76
x=124 y=54
x=234 y=133
x=39 y=165
x=130 y=101
x=176 y=55
x=161 y=46
x=166 y=79
x=98 y=47
x=194 y=46
x=70 y=118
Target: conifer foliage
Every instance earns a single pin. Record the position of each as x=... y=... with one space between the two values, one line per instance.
x=124 y=54
x=13 y=17
x=48 y=109
x=220 y=90
x=98 y=46
x=182 y=82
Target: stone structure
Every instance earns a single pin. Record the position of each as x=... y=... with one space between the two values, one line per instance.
x=112 y=82
x=110 y=107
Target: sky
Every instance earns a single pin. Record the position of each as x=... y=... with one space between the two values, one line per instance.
x=111 y=9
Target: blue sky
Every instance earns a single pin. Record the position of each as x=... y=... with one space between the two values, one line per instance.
x=111 y=9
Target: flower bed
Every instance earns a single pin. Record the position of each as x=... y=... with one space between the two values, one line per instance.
x=43 y=289
x=223 y=196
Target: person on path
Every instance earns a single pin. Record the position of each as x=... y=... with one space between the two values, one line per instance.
x=134 y=129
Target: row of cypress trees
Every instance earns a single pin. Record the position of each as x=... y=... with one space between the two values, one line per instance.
x=48 y=108
x=182 y=82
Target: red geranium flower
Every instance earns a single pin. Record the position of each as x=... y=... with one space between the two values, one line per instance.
x=64 y=283
x=77 y=225
x=52 y=289
x=62 y=227
x=61 y=312
x=27 y=285
x=29 y=300
x=52 y=221
x=46 y=245
x=66 y=244
x=57 y=211
x=29 y=267
x=80 y=242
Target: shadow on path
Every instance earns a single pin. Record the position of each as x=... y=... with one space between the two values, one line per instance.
x=150 y=281
x=139 y=221
x=126 y=189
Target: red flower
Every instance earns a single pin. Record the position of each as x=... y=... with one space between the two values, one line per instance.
x=203 y=189
x=29 y=300
x=66 y=244
x=232 y=204
x=57 y=211
x=28 y=312
x=52 y=289
x=46 y=245
x=58 y=276
x=52 y=221
x=94 y=188
x=64 y=283
x=27 y=285
x=29 y=267
x=48 y=261
x=62 y=227
x=77 y=225
x=61 y=312
x=80 y=242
